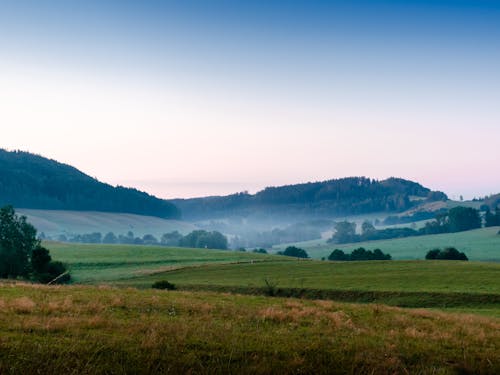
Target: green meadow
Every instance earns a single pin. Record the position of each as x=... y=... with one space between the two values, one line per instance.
x=95 y=263
x=480 y=245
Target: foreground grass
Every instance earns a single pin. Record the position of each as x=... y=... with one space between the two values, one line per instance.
x=103 y=330
x=94 y=263
x=480 y=245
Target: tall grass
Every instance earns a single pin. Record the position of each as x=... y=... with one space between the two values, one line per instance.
x=107 y=330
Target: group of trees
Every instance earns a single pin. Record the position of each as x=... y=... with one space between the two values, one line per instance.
x=449 y=253
x=457 y=219
x=197 y=239
x=492 y=219
x=28 y=180
x=358 y=254
x=293 y=251
x=21 y=253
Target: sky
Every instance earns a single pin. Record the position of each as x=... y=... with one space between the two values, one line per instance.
x=194 y=98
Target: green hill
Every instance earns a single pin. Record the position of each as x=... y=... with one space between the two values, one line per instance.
x=345 y=196
x=32 y=181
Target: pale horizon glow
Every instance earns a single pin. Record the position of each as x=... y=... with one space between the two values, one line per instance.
x=195 y=108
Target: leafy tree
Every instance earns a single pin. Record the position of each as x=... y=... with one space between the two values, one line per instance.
x=490 y=219
x=171 y=238
x=292 y=251
x=338 y=255
x=345 y=232
x=463 y=218
x=110 y=238
x=204 y=239
x=21 y=254
x=17 y=241
x=149 y=239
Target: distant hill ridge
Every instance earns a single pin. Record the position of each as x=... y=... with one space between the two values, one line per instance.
x=344 y=196
x=32 y=181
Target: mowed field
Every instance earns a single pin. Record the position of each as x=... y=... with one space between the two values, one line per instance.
x=103 y=330
x=480 y=244
x=96 y=263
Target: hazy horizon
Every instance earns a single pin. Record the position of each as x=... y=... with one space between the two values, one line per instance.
x=193 y=98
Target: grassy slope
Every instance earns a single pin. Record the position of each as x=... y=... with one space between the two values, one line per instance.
x=96 y=330
x=54 y=222
x=102 y=263
x=480 y=244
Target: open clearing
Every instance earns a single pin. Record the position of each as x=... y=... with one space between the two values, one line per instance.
x=84 y=329
x=480 y=244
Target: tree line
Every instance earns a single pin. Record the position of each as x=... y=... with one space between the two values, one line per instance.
x=195 y=239
x=457 y=219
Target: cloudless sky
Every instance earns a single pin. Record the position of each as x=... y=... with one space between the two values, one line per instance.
x=192 y=98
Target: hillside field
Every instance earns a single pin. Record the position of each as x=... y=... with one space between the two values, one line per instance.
x=82 y=329
x=480 y=245
x=57 y=222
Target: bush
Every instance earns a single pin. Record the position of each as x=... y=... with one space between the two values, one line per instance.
x=359 y=254
x=292 y=251
x=163 y=284
x=449 y=253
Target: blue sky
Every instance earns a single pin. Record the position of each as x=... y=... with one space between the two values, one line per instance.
x=185 y=98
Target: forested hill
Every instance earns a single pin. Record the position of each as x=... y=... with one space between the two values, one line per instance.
x=32 y=181
x=345 y=196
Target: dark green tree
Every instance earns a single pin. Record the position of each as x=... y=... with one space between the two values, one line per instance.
x=17 y=241
x=463 y=218
x=338 y=255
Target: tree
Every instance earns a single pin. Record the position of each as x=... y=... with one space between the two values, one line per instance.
x=21 y=254
x=345 y=232
x=204 y=239
x=463 y=218
x=292 y=251
x=338 y=255
x=149 y=239
x=490 y=219
x=171 y=238
x=110 y=238
x=17 y=241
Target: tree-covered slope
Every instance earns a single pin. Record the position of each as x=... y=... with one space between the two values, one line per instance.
x=345 y=196
x=32 y=181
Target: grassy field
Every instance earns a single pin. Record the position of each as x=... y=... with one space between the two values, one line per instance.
x=51 y=330
x=55 y=222
x=466 y=285
x=480 y=244
x=95 y=263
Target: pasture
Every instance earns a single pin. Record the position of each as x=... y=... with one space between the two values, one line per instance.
x=82 y=329
x=479 y=245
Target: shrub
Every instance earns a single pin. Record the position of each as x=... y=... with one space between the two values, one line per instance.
x=163 y=284
x=449 y=253
x=292 y=251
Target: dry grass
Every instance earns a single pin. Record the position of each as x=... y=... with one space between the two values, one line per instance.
x=108 y=330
